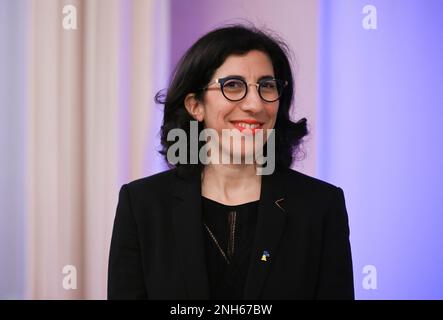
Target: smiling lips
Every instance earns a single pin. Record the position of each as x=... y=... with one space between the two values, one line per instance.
x=252 y=125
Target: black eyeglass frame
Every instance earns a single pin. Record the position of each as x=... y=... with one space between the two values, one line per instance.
x=222 y=81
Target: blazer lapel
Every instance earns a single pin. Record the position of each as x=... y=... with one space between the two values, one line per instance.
x=187 y=217
x=270 y=225
x=187 y=223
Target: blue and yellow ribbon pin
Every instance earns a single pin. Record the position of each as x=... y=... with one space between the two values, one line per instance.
x=265 y=256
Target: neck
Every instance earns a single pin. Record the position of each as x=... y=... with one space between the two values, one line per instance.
x=231 y=184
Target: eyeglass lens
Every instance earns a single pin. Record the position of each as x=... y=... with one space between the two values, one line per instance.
x=236 y=89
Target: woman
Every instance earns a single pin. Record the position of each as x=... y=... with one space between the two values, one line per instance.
x=209 y=230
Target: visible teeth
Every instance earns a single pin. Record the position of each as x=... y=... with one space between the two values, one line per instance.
x=248 y=125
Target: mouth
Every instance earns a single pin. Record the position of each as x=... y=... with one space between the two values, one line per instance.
x=247 y=124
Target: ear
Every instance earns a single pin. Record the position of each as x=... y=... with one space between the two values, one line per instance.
x=194 y=107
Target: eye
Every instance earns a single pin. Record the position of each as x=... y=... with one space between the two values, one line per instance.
x=234 y=84
x=269 y=84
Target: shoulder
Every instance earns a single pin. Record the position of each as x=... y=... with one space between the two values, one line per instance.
x=154 y=181
x=308 y=193
x=156 y=185
x=295 y=179
x=317 y=198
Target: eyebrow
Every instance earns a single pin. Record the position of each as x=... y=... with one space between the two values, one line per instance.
x=241 y=77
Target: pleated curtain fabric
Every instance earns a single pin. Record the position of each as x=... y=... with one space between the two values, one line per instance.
x=91 y=122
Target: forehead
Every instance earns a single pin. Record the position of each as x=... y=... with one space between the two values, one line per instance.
x=253 y=63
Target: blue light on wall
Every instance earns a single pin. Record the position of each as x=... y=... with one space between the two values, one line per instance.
x=381 y=138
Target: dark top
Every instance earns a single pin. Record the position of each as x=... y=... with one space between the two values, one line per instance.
x=301 y=247
x=229 y=234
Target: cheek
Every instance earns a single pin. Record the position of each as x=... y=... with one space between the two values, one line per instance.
x=272 y=111
x=215 y=115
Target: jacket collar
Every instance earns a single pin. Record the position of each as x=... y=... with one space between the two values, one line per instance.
x=187 y=221
x=270 y=224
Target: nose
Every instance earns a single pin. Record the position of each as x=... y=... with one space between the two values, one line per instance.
x=252 y=102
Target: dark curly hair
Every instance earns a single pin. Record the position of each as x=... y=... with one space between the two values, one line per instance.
x=196 y=68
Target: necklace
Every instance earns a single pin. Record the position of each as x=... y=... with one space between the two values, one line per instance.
x=231 y=238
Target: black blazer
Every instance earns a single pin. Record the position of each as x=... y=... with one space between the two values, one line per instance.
x=157 y=248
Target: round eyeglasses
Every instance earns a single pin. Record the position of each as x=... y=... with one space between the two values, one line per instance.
x=235 y=88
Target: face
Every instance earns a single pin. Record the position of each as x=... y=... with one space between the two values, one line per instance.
x=251 y=112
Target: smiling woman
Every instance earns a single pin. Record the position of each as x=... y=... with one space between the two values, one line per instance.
x=222 y=67
x=222 y=231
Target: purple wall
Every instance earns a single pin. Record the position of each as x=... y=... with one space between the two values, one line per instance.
x=13 y=95
x=381 y=139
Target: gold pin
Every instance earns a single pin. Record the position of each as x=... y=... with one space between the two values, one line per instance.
x=277 y=202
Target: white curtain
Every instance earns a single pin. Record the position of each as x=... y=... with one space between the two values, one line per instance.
x=90 y=122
